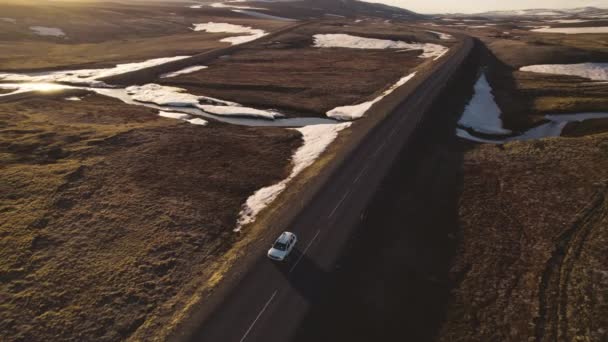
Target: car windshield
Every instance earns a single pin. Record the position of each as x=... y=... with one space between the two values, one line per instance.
x=280 y=246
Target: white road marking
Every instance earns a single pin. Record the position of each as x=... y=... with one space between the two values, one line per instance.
x=380 y=148
x=361 y=173
x=339 y=204
x=304 y=251
x=259 y=315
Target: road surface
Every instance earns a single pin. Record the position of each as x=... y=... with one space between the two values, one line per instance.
x=271 y=300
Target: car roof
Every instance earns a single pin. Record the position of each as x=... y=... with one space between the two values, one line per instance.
x=285 y=236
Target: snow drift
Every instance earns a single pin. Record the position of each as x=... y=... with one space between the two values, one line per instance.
x=357 y=111
x=316 y=139
x=339 y=40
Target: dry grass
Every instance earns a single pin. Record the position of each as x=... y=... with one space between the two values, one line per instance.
x=111 y=214
x=289 y=74
x=527 y=267
x=99 y=34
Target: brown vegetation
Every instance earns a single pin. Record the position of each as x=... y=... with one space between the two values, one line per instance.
x=288 y=73
x=101 y=34
x=109 y=214
x=531 y=262
x=524 y=97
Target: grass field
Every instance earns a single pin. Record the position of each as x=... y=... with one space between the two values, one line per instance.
x=290 y=74
x=530 y=263
x=110 y=212
x=100 y=34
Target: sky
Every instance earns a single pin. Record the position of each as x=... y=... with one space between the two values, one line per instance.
x=476 y=6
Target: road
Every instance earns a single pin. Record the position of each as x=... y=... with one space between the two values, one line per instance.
x=272 y=298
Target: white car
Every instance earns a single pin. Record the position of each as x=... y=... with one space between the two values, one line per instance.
x=283 y=246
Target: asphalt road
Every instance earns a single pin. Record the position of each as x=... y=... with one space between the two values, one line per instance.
x=271 y=300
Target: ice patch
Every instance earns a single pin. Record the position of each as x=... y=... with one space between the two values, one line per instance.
x=170 y=99
x=593 y=71
x=482 y=113
x=47 y=31
x=184 y=71
x=198 y=121
x=357 y=111
x=177 y=97
x=241 y=111
x=173 y=115
x=553 y=128
x=572 y=30
x=170 y=96
x=187 y=105
x=211 y=27
x=18 y=88
x=339 y=40
x=316 y=140
x=182 y=117
x=85 y=76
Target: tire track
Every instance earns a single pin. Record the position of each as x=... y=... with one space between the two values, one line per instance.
x=551 y=323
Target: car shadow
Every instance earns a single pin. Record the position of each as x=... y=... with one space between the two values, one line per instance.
x=303 y=274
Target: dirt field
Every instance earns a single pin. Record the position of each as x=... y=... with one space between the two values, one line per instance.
x=100 y=34
x=111 y=214
x=289 y=74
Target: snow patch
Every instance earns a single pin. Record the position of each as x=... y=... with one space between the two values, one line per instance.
x=86 y=76
x=170 y=96
x=357 y=111
x=593 y=71
x=9 y=20
x=184 y=71
x=211 y=27
x=198 y=121
x=553 y=128
x=441 y=35
x=572 y=30
x=18 y=88
x=339 y=40
x=182 y=117
x=482 y=113
x=173 y=115
x=569 y=21
x=178 y=97
x=73 y=98
x=47 y=31
x=316 y=140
